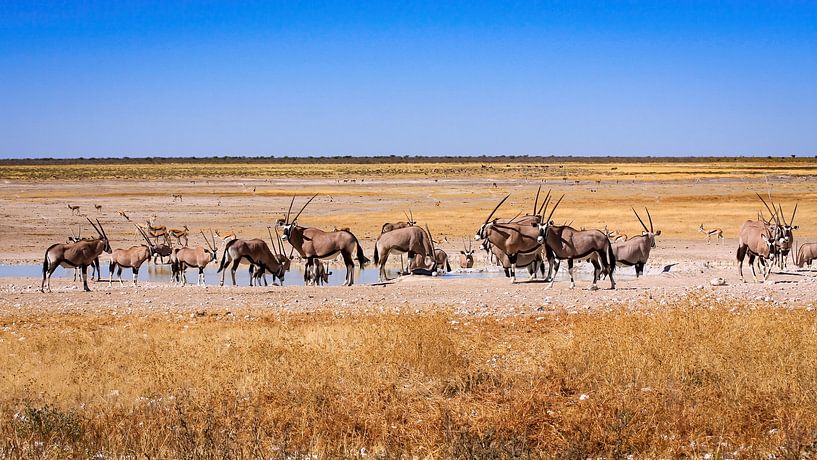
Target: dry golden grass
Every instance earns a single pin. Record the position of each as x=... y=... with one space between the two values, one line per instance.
x=731 y=380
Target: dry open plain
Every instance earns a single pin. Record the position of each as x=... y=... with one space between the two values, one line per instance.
x=451 y=366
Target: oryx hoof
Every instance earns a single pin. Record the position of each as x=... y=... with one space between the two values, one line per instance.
x=593 y=287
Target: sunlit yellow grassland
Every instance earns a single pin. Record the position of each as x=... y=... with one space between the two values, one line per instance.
x=689 y=379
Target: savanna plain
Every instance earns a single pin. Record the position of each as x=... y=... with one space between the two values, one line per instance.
x=453 y=366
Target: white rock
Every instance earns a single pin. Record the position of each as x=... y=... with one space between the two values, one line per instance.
x=717 y=281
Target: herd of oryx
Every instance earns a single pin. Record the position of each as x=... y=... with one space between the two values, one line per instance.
x=531 y=242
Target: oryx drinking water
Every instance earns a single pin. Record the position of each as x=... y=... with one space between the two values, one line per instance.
x=412 y=240
x=198 y=257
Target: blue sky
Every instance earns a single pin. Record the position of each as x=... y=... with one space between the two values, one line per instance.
x=376 y=78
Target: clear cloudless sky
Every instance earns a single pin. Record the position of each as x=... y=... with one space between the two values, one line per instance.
x=144 y=78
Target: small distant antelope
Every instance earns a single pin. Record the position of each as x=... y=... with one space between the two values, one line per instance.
x=74 y=209
x=98 y=207
x=717 y=232
x=177 y=196
x=179 y=234
x=122 y=213
x=613 y=235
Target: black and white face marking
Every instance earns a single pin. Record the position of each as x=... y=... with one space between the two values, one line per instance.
x=287 y=231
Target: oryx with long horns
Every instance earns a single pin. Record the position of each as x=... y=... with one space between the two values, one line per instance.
x=411 y=240
x=70 y=255
x=256 y=252
x=805 y=254
x=565 y=242
x=198 y=257
x=467 y=255
x=514 y=239
x=132 y=258
x=636 y=250
x=759 y=240
x=313 y=243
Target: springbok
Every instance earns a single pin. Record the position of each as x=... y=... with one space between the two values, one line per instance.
x=80 y=254
x=179 y=234
x=132 y=258
x=805 y=254
x=412 y=240
x=636 y=250
x=565 y=242
x=177 y=196
x=410 y=222
x=197 y=257
x=467 y=255
x=98 y=208
x=312 y=243
x=716 y=232
x=122 y=213
x=74 y=209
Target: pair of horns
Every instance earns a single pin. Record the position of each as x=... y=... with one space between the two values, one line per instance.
x=213 y=237
x=277 y=241
x=409 y=216
x=650 y=230
x=144 y=235
x=299 y=212
x=99 y=229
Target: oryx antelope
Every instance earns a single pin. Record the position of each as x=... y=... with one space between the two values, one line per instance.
x=759 y=240
x=313 y=243
x=95 y=271
x=467 y=256
x=512 y=239
x=256 y=252
x=565 y=242
x=132 y=258
x=411 y=240
x=716 y=232
x=410 y=222
x=74 y=209
x=534 y=261
x=80 y=254
x=636 y=250
x=179 y=234
x=317 y=274
x=805 y=254
x=787 y=233
x=197 y=257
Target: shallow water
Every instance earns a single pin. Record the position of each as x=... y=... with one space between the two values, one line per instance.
x=368 y=275
x=161 y=273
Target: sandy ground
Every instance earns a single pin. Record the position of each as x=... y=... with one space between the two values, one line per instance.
x=35 y=214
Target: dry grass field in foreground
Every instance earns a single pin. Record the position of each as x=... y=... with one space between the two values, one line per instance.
x=686 y=380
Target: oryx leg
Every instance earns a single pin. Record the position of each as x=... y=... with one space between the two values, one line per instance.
x=554 y=265
x=383 y=258
x=752 y=264
x=201 y=277
x=512 y=258
x=135 y=276
x=84 y=269
x=233 y=268
x=46 y=284
x=350 y=269
x=119 y=275
x=570 y=272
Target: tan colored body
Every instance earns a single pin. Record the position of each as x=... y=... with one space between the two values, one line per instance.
x=184 y=258
x=132 y=258
x=409 y=239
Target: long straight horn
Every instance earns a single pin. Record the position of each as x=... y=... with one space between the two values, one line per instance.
x=497 y=207
x=411 y=215
x=536 y=200
x=433 y=249
x=304 y=207
x=280 y=243
x=554 y=208
x=95 y=227
x=793 y=213
x=782 y=216
x=101 y=228
x=773 y=213
x=652 y=229
x=540 y=211
x=514 y=217
x=206 y=241
x=286 y=220
x=639 y=219
x=272 y=241
x=144 y=235
x=213 y=237
x=408 y=219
